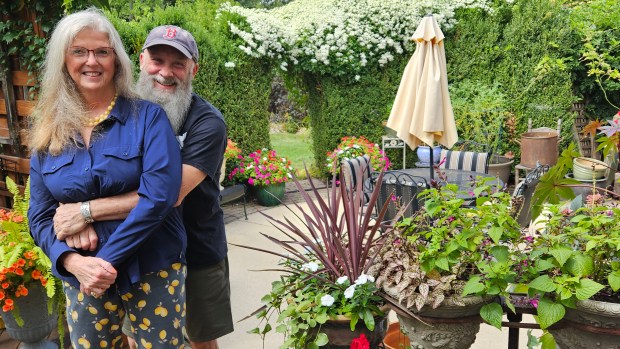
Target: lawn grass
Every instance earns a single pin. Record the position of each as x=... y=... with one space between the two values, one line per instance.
x=295 y=147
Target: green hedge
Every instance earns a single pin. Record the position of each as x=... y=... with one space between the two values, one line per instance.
x=340 y=107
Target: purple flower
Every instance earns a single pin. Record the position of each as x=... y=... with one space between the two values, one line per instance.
x=534 y=303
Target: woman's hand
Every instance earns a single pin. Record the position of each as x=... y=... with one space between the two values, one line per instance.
x=68 y=220
x=86 y=239
x=94 y=274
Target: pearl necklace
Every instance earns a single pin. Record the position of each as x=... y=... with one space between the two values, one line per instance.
x=96 y=121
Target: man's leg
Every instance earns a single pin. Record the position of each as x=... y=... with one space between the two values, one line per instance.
x=209 y=314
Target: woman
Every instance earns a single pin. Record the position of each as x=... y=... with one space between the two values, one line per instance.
x=92 y=138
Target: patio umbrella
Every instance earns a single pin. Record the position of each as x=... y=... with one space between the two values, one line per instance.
x=422 y=112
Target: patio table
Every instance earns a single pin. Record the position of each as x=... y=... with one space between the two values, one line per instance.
x=463 y=179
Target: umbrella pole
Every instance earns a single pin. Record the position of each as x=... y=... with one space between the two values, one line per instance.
x=432 y=162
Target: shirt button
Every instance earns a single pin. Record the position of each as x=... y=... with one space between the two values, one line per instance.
x=125 y=153
x=53 y=167
x=86 y=169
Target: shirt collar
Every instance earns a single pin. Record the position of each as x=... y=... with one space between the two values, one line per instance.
x=122 y=103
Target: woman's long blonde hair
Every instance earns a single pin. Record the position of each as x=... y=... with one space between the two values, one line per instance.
x=61 y=111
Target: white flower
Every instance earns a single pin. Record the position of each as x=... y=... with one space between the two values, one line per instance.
x=311 y=266
x=348 y=293
x=327 y=300
x=363 y=278
x=341 y=280
x=357 y=78
x=229 y=65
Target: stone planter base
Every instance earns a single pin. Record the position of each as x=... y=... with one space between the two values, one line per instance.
x=591 y=325
x=449 y=326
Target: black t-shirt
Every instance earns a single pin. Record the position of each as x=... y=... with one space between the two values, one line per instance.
x=203 y=141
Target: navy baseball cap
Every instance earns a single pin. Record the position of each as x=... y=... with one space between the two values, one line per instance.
x=174 y=36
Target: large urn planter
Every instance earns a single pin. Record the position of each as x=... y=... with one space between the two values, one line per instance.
x=38 y=323
x=270 y=195
x=501 y=166
x=592 y=324
x=450 y=326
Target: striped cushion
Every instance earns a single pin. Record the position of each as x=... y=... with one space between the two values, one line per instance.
x=465 y=160
x=351 y=172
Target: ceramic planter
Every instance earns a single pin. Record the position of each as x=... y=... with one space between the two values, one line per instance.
x=588 y=169
x=340 y=335
x=38 y=323
x=270 y=195
x=500 y=166
x=592 y=324
x=424 y=155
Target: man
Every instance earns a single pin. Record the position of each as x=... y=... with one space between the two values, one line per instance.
x=168 y=64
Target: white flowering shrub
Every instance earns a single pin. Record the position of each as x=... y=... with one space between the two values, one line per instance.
x=338 y=37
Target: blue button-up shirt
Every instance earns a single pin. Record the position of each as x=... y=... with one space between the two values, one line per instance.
x=135 y=148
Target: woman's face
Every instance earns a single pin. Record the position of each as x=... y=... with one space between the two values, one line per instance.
x=91 y=73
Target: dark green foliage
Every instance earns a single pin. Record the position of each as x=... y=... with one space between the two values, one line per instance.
x=596 y=24
x=339 y=107
x=240 y=93
x=529 y=53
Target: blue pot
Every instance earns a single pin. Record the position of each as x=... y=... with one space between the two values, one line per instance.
x=424 y=154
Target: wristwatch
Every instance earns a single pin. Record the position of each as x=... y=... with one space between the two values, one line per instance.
x=85 y=210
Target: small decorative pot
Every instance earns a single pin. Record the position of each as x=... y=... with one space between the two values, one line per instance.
x=592 y=324
x=395 y=338
x=38 y=323
x=424 y=155
x=270 y=195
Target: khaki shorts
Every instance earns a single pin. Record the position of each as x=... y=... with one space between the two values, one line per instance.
x=209 y=314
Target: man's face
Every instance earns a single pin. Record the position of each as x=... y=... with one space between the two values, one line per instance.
x=166 y=78
x=168 y=66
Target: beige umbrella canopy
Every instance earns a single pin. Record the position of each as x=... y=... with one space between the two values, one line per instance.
x=422 y=112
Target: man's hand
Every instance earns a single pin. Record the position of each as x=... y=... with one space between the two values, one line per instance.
x=94 y=274
x=86 y=239
x=68 y=220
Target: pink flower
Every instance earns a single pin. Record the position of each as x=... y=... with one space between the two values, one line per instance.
x=251 y=181
x=534 y=303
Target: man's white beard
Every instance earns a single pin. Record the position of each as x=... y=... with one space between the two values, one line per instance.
x=176 y=104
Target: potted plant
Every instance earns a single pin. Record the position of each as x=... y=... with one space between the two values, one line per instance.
x=352 y=147
x=326 y=295
x=232 y=155
x=267 y=172
x=452 y=262
x=30 y=296
x=575 y=273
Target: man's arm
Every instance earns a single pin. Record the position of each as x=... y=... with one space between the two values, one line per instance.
x=69 y=221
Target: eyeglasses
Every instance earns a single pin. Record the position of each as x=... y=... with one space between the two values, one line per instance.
x=83 y=52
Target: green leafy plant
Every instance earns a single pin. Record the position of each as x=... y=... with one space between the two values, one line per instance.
x=448 y=251
x=575 y=256
x=22 y=263
x=326 y=256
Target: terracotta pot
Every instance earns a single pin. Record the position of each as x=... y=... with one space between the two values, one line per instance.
x=395 y=338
